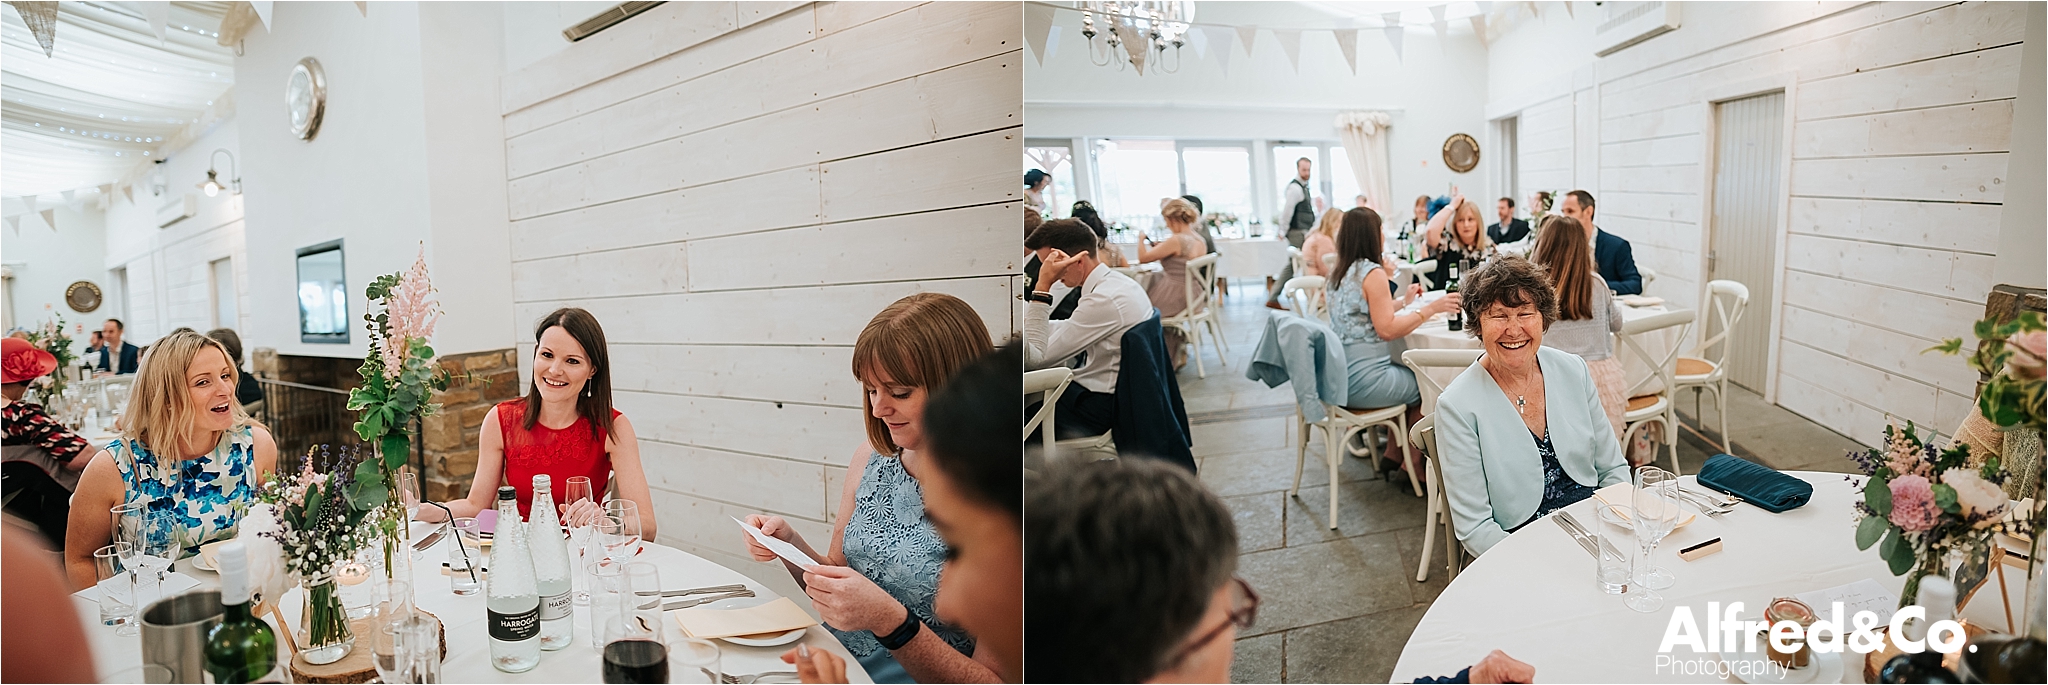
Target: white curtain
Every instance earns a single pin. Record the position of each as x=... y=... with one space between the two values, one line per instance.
x=1365 y=143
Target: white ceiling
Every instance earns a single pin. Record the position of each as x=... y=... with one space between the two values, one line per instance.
x=111 y=97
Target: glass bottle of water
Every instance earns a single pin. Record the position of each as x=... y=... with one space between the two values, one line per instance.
x=511 y=596
x=550 y=567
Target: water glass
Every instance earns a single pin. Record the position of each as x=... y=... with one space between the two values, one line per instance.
x=423 y=646
x=465 y=555
x=606 y=578
x=1656 y=513
x=387 y=640
x=117 y=588
x=1615 y=543
x=640 y=601
x=693 y=660
x=619 y=530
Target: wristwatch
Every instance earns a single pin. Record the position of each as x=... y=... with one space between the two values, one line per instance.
x=1041 y=297
x=903 y=634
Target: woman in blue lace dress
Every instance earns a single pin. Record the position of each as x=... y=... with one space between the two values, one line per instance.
x=879 y=580
x=1365 y=315
x=186 y=449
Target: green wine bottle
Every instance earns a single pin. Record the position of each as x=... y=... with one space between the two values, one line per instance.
x=242 y=648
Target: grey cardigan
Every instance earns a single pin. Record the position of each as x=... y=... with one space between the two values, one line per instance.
x=1591 y=339
x=1493 y=474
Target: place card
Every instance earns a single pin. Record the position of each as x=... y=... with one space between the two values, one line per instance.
x=1862 y=595
x=787 y=551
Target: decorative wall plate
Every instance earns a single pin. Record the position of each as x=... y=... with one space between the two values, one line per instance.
x=305 y=97
x=1461 y=153
x=83 y=296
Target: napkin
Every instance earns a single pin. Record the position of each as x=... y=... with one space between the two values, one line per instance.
x=1755 y=483
x=778 y=616
x=1622 y=496
x=175 y=583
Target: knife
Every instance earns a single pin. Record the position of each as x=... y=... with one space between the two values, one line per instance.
x=1604 y=544
x=1576 y=535
x=687 y=603
x=704 y=590
x=428 y=541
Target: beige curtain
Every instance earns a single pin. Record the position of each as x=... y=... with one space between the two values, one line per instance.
x=1365 y=143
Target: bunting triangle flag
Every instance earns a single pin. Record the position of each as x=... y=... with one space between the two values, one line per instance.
x=50 y=218
x=1568 y=10
x=1134 y=45
x=29 y=201
x=1437 y=22
x=363 y=7
x=1394 y=38
x=1245 y=35
x=159 y=16
x=1221 y=38
x=1199 y=40
x=262 y=12
x=1052 y=42
x=129 y=192
x=1290 y=43
x=41 y=19
x=69 y=196
x=1479 y=28
x=1347 y=42
x=1037 y=26
x=14 y=223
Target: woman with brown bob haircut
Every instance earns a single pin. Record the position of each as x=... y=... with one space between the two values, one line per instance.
x=186 y=449
x=877 y=583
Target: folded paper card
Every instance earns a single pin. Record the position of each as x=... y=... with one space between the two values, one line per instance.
x=1621 y=496
x=782 y=549
x=778 y=616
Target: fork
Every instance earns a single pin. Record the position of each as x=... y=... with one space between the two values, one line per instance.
x=751 y=678
x=1708 y=506
x=687 y=603
x=1718 y=500
x=704 y=590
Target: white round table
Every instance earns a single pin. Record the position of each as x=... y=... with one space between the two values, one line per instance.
x=462 y=620
x=1437 y=335
x=1533 y=595
x=1250 y=257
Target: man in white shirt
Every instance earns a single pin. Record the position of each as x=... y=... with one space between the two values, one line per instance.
x=1111 y=303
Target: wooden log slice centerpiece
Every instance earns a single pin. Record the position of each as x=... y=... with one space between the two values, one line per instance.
x=358 y=666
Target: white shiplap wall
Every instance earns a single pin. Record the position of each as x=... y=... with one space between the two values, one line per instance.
x=734 y=189
x=1901 y=114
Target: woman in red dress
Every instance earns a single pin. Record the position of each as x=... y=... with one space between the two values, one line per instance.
x=564 y=427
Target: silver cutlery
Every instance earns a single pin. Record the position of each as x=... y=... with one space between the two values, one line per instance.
x=687 y=603
x=1711 y=506
x=428 y=541
x=703 y=590
x=1719 y=499
x=1576 y=535
x=1566 y=516
x=751 y=678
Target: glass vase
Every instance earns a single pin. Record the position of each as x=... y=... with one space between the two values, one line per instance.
x=325 y=635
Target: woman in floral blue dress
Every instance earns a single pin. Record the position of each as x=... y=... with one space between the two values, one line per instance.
x=877 y=585
x=186 y=449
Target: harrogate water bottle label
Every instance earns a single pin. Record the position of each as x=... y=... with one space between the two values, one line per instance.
x=555 y=607
x=524 y=625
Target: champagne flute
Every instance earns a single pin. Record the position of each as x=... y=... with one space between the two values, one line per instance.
x=1656 y=514
x=131 y=525
x=577 y=489
x=409 y=494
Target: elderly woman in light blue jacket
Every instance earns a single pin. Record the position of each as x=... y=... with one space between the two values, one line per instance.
x=1521 y=431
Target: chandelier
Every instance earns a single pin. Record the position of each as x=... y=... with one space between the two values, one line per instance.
x=1136 y=32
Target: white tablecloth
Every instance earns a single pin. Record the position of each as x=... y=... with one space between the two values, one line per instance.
x=1237 y=258
x=1437 y=335
x=462 y=618
x=1534 y=596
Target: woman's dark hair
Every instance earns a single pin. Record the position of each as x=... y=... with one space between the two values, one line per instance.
x=970 y=425
x=1196 y=201
x=1358 y=238
x=1509 y=281
x=1124 y=558
x=1032 y=177
x=595 y=403
x=231 y=341
x=1557 y=251
x=1087 y=214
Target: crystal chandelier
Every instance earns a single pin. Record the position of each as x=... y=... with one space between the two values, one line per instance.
x=1136 y=32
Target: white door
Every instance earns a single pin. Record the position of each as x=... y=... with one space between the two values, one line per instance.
x=1749 y=139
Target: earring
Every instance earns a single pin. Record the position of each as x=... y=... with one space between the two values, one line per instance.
x=586 y=390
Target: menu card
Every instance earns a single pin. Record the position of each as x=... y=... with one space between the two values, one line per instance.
x=773 y=617
x=1862 y=595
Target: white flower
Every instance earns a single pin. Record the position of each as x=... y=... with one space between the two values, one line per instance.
x=267 y=574
x=1976 y=497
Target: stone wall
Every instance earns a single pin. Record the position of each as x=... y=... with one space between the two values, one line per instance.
x=482 y=379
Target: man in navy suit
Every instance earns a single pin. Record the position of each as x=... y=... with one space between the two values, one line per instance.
x=1617 y=261
x=1510 y=229
x=115 y=357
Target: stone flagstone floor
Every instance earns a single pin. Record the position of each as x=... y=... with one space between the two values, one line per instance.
x=1339 y=604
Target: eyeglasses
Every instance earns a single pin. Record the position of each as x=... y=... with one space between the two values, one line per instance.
x=1244 y=610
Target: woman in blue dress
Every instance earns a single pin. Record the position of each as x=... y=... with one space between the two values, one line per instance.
x=879 y=579
x=186 y=449
x=1366 y=315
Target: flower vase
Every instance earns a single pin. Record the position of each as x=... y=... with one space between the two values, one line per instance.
x=325 y=636
x=1929 y=565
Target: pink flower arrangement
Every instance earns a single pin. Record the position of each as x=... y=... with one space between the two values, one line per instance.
x=1913 y=507
x=412 y=312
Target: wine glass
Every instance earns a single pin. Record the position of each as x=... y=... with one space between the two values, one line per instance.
x=1656 y=514
x=409 y=494
x=619 y=530
x=634 y=649
x=577 y=489
x=146 y=550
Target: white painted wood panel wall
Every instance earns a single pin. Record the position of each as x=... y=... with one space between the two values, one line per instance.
x=1901 y=118
x=170 y=285
x=734 y=189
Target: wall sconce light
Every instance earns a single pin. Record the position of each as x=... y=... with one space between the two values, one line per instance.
x=213 y=184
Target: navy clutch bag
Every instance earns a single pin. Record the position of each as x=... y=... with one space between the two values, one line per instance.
x=1755 y=483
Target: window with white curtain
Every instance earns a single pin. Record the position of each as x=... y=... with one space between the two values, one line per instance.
x=1136 y=177
x=1058 y=160
x=1221 y=176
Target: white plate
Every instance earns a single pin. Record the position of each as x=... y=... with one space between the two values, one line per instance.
x=771 y=640
x=1823 y=668
x=205 y=560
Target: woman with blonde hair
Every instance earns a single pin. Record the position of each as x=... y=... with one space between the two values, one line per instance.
x=1587 y=316
x=1168 y=290
x=1322 y=241
x=186 y=449
x=878 y=581
x=1463 y=242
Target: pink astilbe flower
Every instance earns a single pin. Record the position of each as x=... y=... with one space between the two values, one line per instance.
x=1913 y=507
x=2029 y=358
x=412 y=311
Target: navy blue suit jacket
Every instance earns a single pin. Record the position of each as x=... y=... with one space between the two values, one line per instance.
x=1617 y=262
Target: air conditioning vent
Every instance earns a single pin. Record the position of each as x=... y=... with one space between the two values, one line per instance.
x=1624 y=24
x=606 y=19
x=177 y=208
